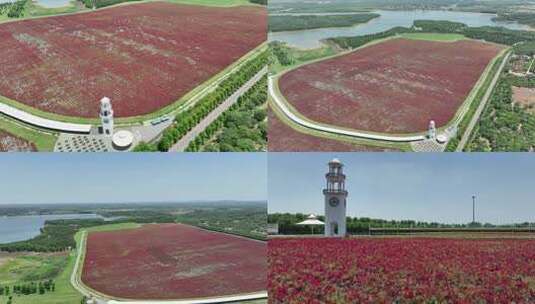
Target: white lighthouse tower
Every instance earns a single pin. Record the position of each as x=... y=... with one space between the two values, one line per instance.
x=432 y=132
x=106 y=116
x=335 y=200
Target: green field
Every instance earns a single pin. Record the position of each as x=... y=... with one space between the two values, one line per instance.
x=434 y=37
x=31 y=267
x=43 y=141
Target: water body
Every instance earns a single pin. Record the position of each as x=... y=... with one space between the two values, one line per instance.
x=311 y=38
x=53 y=3
x=20 y=228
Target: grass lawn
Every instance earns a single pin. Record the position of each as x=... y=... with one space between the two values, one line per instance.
x=43 y=141
x=434 y=37
x=35 y=10
x=31 y=267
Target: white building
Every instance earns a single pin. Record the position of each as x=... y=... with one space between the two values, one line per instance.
x=432 y=132
x=335 y=200
x=106 y=116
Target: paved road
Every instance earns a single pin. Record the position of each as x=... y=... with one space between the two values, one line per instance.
x=43 y=122
x=311 y=125
x=183 y=143
x=481 y=107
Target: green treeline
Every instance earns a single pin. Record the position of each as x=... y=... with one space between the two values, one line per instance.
x=526 y=18
x=41 y=287
x=525 y=48
x=304 y=22
x=13 y=9
x=242 y=128
x=261 y=2
x=188 y=119
x=361 y=225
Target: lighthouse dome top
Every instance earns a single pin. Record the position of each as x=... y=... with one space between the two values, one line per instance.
x=335 y=161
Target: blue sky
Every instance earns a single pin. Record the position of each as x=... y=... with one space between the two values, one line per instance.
x=131 y=177
x=428 y=187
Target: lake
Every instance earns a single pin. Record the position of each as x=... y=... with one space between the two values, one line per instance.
x=20 y=228
x=311 y=38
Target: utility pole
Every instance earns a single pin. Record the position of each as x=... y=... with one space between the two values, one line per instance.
x=473 y=209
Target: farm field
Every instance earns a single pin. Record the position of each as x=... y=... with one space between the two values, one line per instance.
x=282 y=138
x=12 y=143
x=396 y=86
x=394 y=270
x=143 y=56
x=173 y=261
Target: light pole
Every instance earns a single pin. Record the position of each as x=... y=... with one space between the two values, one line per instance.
x=473 y=209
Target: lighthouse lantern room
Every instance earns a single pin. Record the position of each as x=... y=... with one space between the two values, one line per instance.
x=335 y=200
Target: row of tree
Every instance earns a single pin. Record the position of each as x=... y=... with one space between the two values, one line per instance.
x=188 y=119
x=29 y=288
x=361 y=225
x=242 y=128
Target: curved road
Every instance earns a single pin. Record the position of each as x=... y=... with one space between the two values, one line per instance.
x=335 y=130
x=80 y=287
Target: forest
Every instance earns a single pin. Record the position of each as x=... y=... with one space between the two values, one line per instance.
x=305 y=22
x=504 y=125
x=242 y=128
x=13 y=9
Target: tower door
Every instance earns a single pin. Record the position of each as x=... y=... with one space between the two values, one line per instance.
x=334 y=228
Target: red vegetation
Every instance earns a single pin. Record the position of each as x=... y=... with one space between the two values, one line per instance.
x=11 y=143
x=401 y=271
x=282 y=138
x=173 y=261
x=396 y=86
x=143 y=56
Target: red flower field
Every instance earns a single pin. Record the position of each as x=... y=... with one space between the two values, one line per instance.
x=396 y=86
x=143 y=56
x=173 y=261
x=11 y=143
x=394 y=270
x=282 y=138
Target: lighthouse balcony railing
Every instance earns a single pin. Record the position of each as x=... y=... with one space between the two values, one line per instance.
x=332 y=175
x=334 y=191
